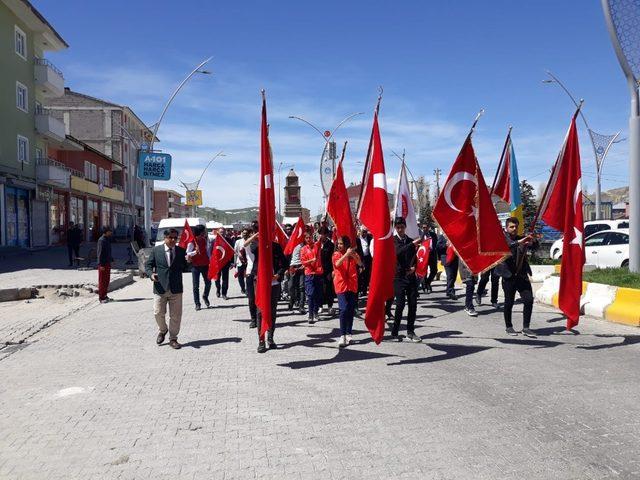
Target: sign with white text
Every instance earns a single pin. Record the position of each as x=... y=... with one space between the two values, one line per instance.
x=154 y=166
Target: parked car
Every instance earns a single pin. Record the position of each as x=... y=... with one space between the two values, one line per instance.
x=178 y=224
x=608 y=248
x=590 y=228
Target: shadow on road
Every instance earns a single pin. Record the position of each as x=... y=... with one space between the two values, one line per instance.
x=343 y=355
x=626 y=340
x=451 y=351
x=212 y=341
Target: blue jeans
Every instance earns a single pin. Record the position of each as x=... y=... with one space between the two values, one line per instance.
x=347 y=305
x=195 y=275
x=313 y=289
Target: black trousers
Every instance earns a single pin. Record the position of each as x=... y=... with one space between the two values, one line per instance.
x=452 y=272
x=521 y=285
x=275 y=296
x=241 y=269
x=364 y=276
x=405 y=289
x=222 y=284
x=495 y=283
x=73 y=251
x=251 y=296
x=296 y=289
x=468 y=291
x=433 y=268
x=328 y=292
x=196 y=273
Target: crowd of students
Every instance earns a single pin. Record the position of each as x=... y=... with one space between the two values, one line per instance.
x=325 y=268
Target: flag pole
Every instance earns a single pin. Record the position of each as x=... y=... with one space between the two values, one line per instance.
x=553 y=170
x=366 y=164
x=326 y=212
x=504 y=150
x=475 y=122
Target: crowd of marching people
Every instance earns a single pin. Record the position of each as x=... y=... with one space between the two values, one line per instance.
x=313 y=269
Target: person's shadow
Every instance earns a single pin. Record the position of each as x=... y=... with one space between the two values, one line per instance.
x=212 y=341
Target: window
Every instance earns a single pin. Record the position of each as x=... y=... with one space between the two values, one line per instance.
x=87 y=170
x=39 y=153
x=595 y=227
x=623 y=225
x=23 y=149
x=107 y=178
x=39 y=109
x=21 y=42
x=596 y=240
x=94 y=172
x=101 y=175
x=616 y=238
x=22 y=97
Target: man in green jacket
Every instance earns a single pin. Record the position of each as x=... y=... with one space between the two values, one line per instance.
x=164 y=267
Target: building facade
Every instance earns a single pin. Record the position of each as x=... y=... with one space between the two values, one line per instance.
x=27 y=83
x=115 y=131
x=168 y=204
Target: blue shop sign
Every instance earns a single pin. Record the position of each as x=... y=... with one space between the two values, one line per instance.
x=154 y=166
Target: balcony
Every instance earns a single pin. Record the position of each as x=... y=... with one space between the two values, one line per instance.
x=52 y=172
x=48 y=78
x=49 y=126
x=81 y=184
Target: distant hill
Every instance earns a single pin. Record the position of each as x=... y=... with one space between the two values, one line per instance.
x=230 y=216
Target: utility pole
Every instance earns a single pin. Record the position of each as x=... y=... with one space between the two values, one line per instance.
x=437 y=173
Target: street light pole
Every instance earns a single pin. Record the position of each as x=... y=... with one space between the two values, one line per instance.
x=194 y=186
x=147 y=190
x=623 y=22
x=599 y=151
x=327 y=136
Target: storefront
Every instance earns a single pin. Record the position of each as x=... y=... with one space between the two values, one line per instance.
x=106 y=214
x=93 y=220
x=16 y=212
x=58 y=218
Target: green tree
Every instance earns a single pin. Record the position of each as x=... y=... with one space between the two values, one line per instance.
x=425 y=211
x=528 y=202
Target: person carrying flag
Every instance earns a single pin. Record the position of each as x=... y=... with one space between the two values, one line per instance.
x=345 y=280
x=198 y=257
x=405 y=285
x=309 y=259
x=515 y=271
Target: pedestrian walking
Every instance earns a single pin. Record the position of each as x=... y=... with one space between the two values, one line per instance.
x=428 y=233
x=405 y=285
x=327 y=249
x=74 y=239
x=346 y=263
x=241 y=260
x=482 y=287
x=515 y=271
x=449 y=261
x=103 y=254
x=164 y=267
x=469 y=280
x=198 y=257
x=297 y=297
x=310 y=259
x=250 y=277
x=222 y=283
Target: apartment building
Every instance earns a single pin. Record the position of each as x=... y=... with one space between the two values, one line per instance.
x=28 y=81
x=169 y=204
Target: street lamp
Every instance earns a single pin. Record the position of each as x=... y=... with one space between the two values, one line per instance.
x=600 y=143
x=193 y=186
x=326 y=177
x=623 y=22
x=147 y=199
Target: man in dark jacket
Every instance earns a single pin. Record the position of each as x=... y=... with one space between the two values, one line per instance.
x=74 y=239
x=103 y=254
x=326 y=258
x=164 y=267
x=515 y=271
x=404 y=282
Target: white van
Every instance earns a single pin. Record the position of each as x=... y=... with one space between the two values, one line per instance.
x=178 y=224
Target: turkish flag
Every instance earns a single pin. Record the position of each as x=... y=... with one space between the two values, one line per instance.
x=221 y=255
x=373 y=213
x=281 y=237
x=466 y=215
x=187 y=236
x=422 y=256
x=339 y=209
x=266 y=226
x=562 y=210
x=296 y=238
x=404 y=205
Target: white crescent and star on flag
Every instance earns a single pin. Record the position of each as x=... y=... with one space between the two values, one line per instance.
x=455 y=179
x=577 y=240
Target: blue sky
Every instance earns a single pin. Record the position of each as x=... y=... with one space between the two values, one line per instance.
x=439 y=63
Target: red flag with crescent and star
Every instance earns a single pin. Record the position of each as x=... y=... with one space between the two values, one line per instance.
x=281 y=236
x=186 y=236
x=221 y=255
x=296 y=238
x=422 y=257
x=466 y=214
x=373 y=213
x=266 y=226
x=562 y=210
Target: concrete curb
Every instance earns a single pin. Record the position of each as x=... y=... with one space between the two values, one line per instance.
x=614 y=304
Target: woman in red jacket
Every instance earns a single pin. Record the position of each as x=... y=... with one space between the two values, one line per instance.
x=345 y=281
x=310 y=260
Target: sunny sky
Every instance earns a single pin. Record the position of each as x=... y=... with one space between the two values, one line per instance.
x=439 y=63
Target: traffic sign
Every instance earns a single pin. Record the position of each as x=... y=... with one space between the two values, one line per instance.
x=154 y=166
